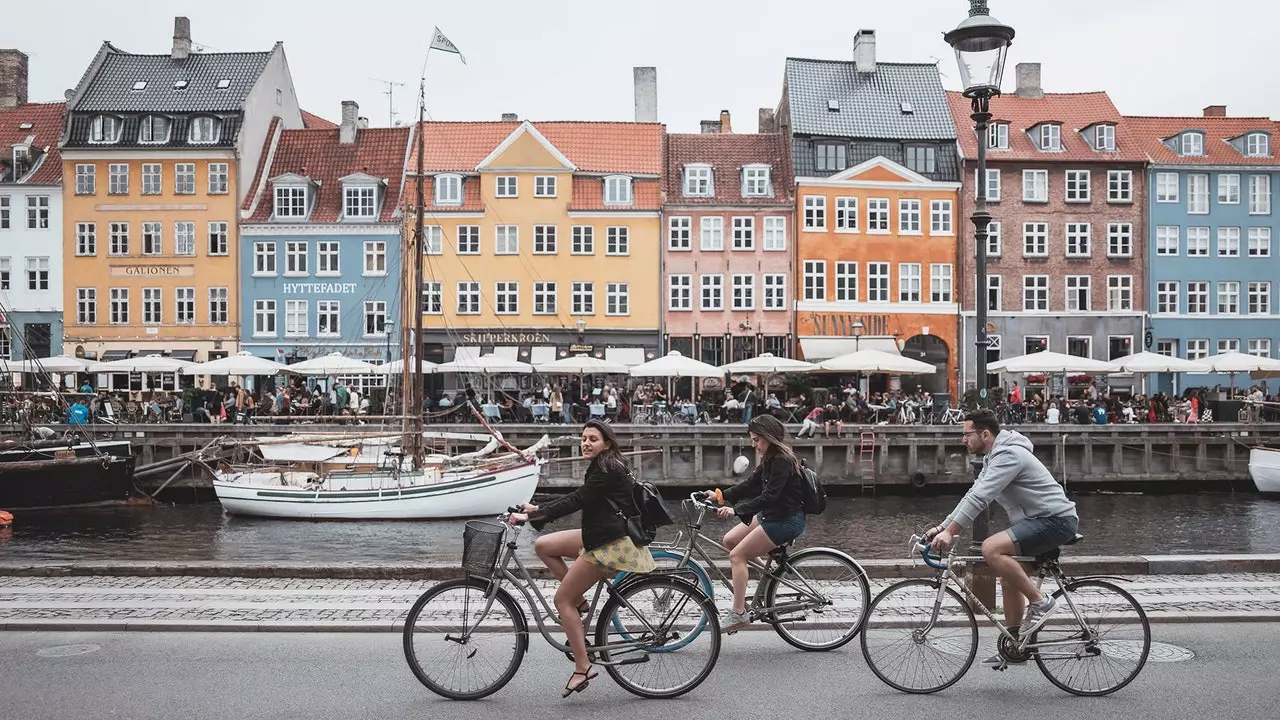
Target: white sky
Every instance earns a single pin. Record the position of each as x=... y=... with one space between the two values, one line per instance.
x=572 y=59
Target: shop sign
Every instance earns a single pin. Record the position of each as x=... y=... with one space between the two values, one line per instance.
x=505 y=338
x=319 y=288
x=841 y=324
x=153 y=270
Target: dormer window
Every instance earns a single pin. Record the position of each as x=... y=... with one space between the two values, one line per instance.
x=291 y=201
x=448 y=189
x=21 y=164
x=697 y=181
x=998 y=136
x=153 y=129
x=1104 y=138
x=1192 y=144
x=617 y=190
x=1050 y=137
x=359 y=201
x=755 y=181
x=1257 y=145
x=104 y=129
x=203 y=130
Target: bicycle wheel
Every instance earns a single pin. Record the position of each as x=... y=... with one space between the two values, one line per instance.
x=918 y=640
x=672 y=607
x=668 y=563
x=835 y=593
x=465 y=639
x=1104 y=654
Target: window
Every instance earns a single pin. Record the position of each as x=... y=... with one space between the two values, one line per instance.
x=295 y=318
x=909 y=282
x=434 y=242
x=755 y=181
x=815 y=280
x=359 y=202
x=1166 y=348
x=468 y=298
x=218 y=305
x=506 y=298
x=1119 y=240
x=119 y=306
x=218 y=238
x=433 y=298
x=878 y=282
x=1078 y=186
x=1166 y=187
x=744 y=292
x=1119 y=346
x=1198 y=194
x=1260 y=242
x=744 y=233
x=1078 y=293
x=1257 y=145
x=204 y=130
x=544 y=298
x=1104 y=137
x=583 y=240
x=375 y=258
x=1119 y=186
x=617 y=299
x=104 y=129
x=697 y=181
x=1260 y=298
x=1035 y=292
x=185 y=305
x=1080 y=346
x=584 y=298
x=1167 y=298
x=1228 y=189
x=1119 y=293
x=86 y=306
x=993 y=184
x=153 y=129
x=1050 y=137
x=151 y=307
x=506 y=186
x=680 y=292
x=152 y=239
x=1197 y=242
x=712 y=292
x=291 y=202
x=327 y=258
x=909 y=217
x=1035 y=343
x=1228 y=242
x=617 y=190
x=878 y=215
x=711 y=233
x=815 y=212
x=544 y=186
x=184 y=238
x=264 y=258
x=617 y=241
x=775 y=233
x=219 y=179
x=1226 y=346
x=775 y=292
x=86 y=179
x=328 y=318
x=679 y=233
x=846 y=281
x=37 y=273
x=37 y=212
x=1167 y=241
x=468 y=237
x=1192 y=144
x=1197 y=349
x=1259 y=194
x=152 y=179
x=995 y=243
x=448 y=189
x=846 y=214
x=1229 y=298
x=830 y=157
x=1198 y=298
x=940 y=283
x=940 y=222
x=295 y=258
x=506 y=240
x=1260 y=347
x=922 y=159
x=995 y=293
x=264 y=318
x=998 y=136
x=118 y=239
x=86 y=238
x=4 y=212
x=1035 y=186
x=544 y=239
x=1035 y=239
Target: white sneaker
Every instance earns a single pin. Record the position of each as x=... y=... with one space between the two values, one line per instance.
x=1037 y=612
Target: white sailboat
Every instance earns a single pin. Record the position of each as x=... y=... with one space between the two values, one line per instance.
x=1264 y=468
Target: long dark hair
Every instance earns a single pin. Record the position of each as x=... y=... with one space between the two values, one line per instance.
x=611 y=460
x=774 y=433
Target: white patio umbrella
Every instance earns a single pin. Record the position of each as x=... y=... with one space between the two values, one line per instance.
x=142 y=363
x=395 y=367
x=485 y=365
x=1052 y=362
x=1149 y=362
x=242 y=364
x=676 y=365
x=876 y=361
x=55 y=364
x=768 y=364
x=581 y=365
x=335 y=363
x=1231 y=363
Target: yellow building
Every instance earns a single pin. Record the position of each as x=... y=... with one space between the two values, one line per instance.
x=158 y=153
x=542 y=239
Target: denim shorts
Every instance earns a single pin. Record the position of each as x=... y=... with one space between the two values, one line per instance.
x=1035 y=536
x=784 y=530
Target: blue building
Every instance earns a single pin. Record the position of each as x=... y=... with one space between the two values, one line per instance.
x=320 y=244
x=1214 y=264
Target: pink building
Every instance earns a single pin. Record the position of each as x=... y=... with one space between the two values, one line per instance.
x=728 y=258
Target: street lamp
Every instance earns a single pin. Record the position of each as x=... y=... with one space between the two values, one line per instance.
x=582 y=328
x=857 y=333
x=387 y=326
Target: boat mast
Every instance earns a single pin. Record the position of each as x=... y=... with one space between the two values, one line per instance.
x=413 y=401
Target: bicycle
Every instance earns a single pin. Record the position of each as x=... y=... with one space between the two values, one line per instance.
x=937 y=625
x=792 y=586
x=491 y=631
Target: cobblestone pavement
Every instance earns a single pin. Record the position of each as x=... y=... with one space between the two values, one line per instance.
x=250 y=603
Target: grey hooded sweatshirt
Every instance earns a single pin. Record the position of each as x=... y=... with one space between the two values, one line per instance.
x=1014 y=477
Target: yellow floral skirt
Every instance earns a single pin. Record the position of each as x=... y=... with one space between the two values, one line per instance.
x=621 y=555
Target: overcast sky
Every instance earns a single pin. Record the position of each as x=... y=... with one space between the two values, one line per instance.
x=572 y=59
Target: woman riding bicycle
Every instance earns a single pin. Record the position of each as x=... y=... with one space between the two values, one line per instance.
x=770 y=504
x=602 y=544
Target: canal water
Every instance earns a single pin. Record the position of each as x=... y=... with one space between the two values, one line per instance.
x=867 y=528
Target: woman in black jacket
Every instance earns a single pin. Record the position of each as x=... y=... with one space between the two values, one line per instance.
x=604 y=547
x=770 y=504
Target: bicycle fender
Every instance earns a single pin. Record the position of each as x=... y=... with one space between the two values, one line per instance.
x=1082 y=578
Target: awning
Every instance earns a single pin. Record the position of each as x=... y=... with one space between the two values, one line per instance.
x=626 y=356
x=507 y=352
x=542 y=354
x=188 y=355
x=817 y=349
x=466 y=353
x=109 y=355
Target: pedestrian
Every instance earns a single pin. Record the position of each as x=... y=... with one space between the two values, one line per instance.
x=810 y=425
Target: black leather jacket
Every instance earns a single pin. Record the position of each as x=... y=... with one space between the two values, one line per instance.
x=771 y=490
x=601 y=524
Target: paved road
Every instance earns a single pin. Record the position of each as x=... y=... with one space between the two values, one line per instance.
x=356 y=675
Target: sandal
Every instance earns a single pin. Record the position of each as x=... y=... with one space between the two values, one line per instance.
x=588 y=676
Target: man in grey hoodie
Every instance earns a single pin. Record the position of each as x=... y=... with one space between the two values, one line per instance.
x=1041 y=515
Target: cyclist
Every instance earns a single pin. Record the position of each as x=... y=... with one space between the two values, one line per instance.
x=602 y=544
x=1042 y=517
x=770 y=504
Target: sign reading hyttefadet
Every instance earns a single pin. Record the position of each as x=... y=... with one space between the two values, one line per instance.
x=303 y=288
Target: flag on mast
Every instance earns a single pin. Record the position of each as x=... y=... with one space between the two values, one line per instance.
x=440 y=42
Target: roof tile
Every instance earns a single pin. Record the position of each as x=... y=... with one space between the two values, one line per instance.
x=46 y=126
x=1150 y=131
x=1074 y=111
x=870 y=104
x=588 y=194
x=111 y=88
x=727 y=153
x=311 y=121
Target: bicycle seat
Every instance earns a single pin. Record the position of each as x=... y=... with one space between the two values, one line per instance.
x=1054 y=554
x=781 y=550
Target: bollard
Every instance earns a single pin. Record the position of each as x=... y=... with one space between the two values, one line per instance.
x=981 y=581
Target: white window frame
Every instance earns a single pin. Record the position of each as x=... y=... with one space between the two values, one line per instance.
x=998 y=136
x=447 y=189
x=583 y=240
x=582 y=298
x=203 y=130
x=219 y=239
x=469 y=299
x=1227 y=297
x=743 y=292
x=680 y=293
x=815 y=212
x=711 y=233
x=1259 y=194
x=375 y=258
x=617 y=240
x=1168 y=240
x=328 y=318
x=774 y=293
x=1168 y=187
x=506 y=186
x=1228 y=242
x=296 y=253
x=290 y=201
x=941 y=218
x=152 y=178
x=118 y=239
x=1259 y=293
x=1228 y=188
x=544 y=186
x=680 y=233
x=184 y=305
x=1119 y=293
x=617 y=299
x=359 y=202
x=1035 y=239
x=1257 y=144
x=1226 y=345
x=546 y=239
x=1035 y=293
x=219 y=178
x=506 y=240
x=698 y=181
x=814 y=273
x=941 y=283
x=1078 y=287
x=910 y=282
x=467 y=239
x=1197 y=348
x=184 y=238
x=878 y=216
x=37 y=274
x=1198 y=241
x=846 y=214
x=909 y=217
x=328 y=258
x=846 y=277
x=87 y=179
x=1104 y=137
x=1120 y=240
x=1051 y=137
x=993 y=184
x=219 y=305
x=618 y=190
x=117 y=178
x=1035 y=186
x=545 y=301
x=1079 y=186
x=434 y=240
x=296 y=321
x=433 y=297
x=264 y=259
x=995 y=291
x=744 y=233
x=86 y=306
x=1259 y=242
x=711 y=292
x=1260 y=347
x=878 y=280
x=1197 y=194
x=105 y=129
x=1119 y=186
x=756 y=181
x=152 y=238
x=1191 y=144
x=86 y=239
x=1168 y=297
x=1197 y=297
x=506 y=297
x=184 y=179
x=775 y=233
x=119 y=306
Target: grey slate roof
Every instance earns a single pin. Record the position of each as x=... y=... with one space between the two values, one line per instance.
x=870 y=103
x=111 y=88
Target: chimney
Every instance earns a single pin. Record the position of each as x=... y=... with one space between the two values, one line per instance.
x=350 y=122
x=864 y=51
x=646 y=81
x=710 y=127
x=1029 y=81
x=13 y=79
x=766 y=122
x=510 y=117
x=181 y=39
x=1215 y=111
x=725 y=126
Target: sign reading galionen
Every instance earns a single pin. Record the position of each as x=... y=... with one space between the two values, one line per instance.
x=153 y=271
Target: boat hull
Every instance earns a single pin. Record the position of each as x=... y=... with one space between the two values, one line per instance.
x=1264 y=468
x=66 y=476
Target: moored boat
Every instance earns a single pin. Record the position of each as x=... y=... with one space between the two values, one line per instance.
x=1264 y=468
x=49 y=474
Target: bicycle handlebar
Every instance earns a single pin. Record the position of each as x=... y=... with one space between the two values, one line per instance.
x=922 y=546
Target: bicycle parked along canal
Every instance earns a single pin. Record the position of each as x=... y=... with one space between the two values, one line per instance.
x=921 y=635
x=460 y=631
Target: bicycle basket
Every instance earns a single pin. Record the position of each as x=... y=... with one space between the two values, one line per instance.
x=481 y=540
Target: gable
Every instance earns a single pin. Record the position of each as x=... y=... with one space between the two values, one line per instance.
x=526 y=148
x=881 y=169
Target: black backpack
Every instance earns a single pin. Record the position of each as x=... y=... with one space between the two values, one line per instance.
x=653 y=511
x=815 y=496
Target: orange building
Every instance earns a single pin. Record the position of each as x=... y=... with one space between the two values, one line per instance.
x=876 y=259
